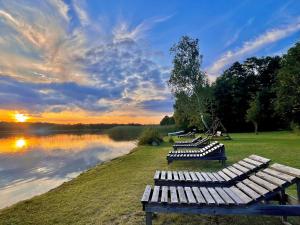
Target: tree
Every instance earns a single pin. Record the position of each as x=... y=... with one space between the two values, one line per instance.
x=167 y=121
x=288 y=86
x=253 y=113
x=241 y=82
x=187 y=80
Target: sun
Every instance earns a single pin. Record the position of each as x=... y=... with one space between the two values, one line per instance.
x=21 y=117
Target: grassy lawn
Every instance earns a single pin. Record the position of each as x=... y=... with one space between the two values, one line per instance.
x=110 y=193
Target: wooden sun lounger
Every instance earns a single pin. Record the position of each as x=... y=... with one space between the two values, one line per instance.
x=189 y=134
x=198 y=144
x=256 y=195
x=216 y=152
x=194 y=150
x=224 y=177
x=189 y=142
x=176 y=133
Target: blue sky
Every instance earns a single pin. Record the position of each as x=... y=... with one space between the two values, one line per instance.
x=109 y=60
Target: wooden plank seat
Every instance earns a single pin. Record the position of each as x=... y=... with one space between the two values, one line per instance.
x=260 y=194
x=217 y=152
x=189 y=142
x=194 y=150
x=176 y=133
x=189 y=134
x=198 y=144
x=224 y=177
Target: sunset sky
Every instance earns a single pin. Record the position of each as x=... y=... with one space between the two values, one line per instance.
x=108 y=61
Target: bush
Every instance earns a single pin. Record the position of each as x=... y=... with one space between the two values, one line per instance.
x=171 y=140
x=150 y=136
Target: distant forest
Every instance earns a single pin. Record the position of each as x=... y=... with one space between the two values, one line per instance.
x=257 y=94
x=45 y=128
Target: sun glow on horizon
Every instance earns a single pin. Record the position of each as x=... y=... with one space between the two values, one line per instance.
x=21 y=117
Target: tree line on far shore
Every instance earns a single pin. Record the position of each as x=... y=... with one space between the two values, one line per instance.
x=259 y=93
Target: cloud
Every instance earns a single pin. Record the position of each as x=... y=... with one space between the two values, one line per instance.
x=164 y=105
x=250 y=47
x=49 y=64
x=237 y=33
x=81 y=13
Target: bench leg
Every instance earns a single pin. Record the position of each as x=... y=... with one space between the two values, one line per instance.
x=148 y=218
x=298 y=190
x=283 y=202
x=223 y=162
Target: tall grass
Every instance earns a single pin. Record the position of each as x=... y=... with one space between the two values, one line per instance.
x=120 y=133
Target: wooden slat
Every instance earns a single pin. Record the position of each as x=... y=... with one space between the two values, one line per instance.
x=219 y=178
x=253 y=162
x=200 y=177
x=156 y=175
x=259 y=189
x=259 y=158
x=208 y=198
x=227 y=199
x=193 y=176
x=263 y=183
x=212 y=177
x=229 y=173
x=146 y=195
x=270 y=178
x=187 y=176
x=190 y=196
x=279 y=175
x=246 y=199
x=155 y=194
x=216 y=196
x=250 y=192
x=169 y=175
x=241 y=168
x=234 y=196
x=234 y=170
x=163 y=175
x=175 y=175
x=286 y=169
x=173 y=193
x=224 y=176
x=181 y=177
x=205 y=176
x=247 y=165
x=198 y=195
x=181 y=194
x=164 y=194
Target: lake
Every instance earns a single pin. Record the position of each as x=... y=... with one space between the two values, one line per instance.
x=32 y=165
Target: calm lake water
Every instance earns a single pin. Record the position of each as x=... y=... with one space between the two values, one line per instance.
x=32 y=165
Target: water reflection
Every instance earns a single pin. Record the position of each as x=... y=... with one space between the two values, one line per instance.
x=32 y=165
x=21 y=143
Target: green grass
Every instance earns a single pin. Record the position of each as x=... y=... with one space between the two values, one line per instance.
x=110 y=193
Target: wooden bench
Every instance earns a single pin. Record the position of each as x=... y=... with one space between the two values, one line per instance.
x=224 y=177
x=216 y=152
x=189 y=134
x=198 y=144
x=260 y=194
x=189 y=142
x=176 y=133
